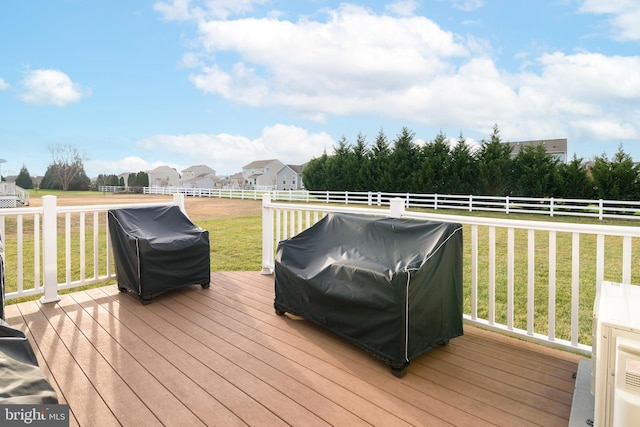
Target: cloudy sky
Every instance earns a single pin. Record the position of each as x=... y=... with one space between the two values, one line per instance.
x=138 y=84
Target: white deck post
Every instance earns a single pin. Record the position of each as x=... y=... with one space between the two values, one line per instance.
x=50 y=249
x=396 y=207
x=178 y=200
x=267 y=235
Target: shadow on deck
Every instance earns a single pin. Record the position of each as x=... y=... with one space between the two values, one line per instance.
x=221 y=356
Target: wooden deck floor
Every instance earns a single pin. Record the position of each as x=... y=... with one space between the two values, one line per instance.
x=221 y=356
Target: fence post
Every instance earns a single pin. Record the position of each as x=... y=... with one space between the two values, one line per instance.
x=601 y=209
x=435 y=201
x=470 y=202
x=506 y=205
x=267 y=235
x=551 y=207
x=396 y=207
x=50 y=249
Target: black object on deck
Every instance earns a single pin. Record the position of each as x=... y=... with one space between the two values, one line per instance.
x=157 y=249
x=392 y=286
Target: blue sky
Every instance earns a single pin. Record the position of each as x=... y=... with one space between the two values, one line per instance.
x=137 y=84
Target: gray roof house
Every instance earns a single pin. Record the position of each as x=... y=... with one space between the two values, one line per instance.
x=163 y=176
x=198 y=176
x=261 y=174
x=556 y=147
x=290 y=177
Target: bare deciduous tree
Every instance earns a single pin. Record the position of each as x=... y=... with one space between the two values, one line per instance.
x=66 y=164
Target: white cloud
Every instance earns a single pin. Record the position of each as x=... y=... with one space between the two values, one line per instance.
x=50 y=87
x=403 y=7
x=4 y=85
x=352 y=61
x=355 y=62
x=116 y=167
x=228 y=153
x=625 y=15
x=184 y=10
x=467 y=5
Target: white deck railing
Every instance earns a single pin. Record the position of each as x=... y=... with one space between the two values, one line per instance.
x=494 y=297
x=511 y=272
x=66 y=247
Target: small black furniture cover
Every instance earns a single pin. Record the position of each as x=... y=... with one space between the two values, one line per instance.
x=392 y=286
x=156 y=249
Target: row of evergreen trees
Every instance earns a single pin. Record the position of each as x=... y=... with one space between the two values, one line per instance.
x=404 y=166
x=140 y=179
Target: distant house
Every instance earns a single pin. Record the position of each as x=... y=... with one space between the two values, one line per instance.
x=199 y=176
x=290 y=177
x=556 y=147
x=163 y=176
x=233 y=182
x=261 y=174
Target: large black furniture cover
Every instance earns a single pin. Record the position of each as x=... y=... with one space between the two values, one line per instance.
x=22 y=381
x=392 y=286
x=157 y=249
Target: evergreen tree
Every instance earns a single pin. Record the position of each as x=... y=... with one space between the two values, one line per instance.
x=535 y=172
x=338 y=175
x=404 y=163
x=314 y=175
x=142 y=179
x=434 y=173
x=24 y=180
x=359 y=166
x=575 y=182
x=495 y=166
x=377 y=170
x=463 y=167
x=616 y=179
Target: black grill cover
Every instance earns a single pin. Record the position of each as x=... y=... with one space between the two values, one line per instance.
x=158 y=248
x=392 y=286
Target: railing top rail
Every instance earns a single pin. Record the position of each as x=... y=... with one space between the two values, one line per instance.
x=616 y=230
x=93 y=208
x=20 y=211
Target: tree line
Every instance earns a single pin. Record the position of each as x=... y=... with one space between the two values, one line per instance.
x=404 y=166
x=66 y=172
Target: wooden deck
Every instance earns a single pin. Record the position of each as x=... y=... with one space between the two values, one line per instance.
x=221 y=356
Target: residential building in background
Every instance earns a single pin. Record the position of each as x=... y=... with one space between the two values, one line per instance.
x=556 y=147
x=199 y=176
x=290 y=178
x=262 y=174
x=163 y=176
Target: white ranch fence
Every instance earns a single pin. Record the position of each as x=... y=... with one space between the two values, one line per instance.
x=78 y=235
x=601 y=209
x=554 y=311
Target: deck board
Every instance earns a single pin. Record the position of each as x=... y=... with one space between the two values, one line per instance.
x=220 y=356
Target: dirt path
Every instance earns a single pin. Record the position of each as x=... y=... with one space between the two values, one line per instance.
x=198 y=208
